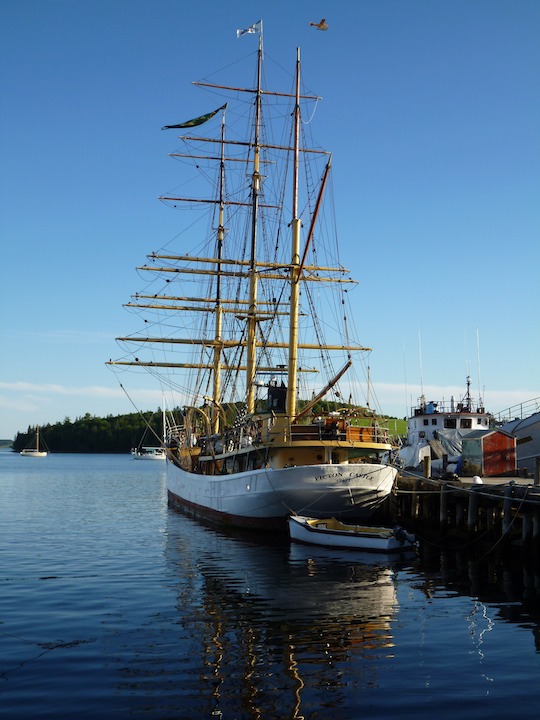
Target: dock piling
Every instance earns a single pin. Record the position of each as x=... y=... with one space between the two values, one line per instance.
x=472 y=510
x=507 y=507
x=443 y=514
x=455 y=509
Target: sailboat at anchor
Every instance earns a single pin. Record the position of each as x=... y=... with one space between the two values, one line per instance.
x=237 y=328
x=37 y=451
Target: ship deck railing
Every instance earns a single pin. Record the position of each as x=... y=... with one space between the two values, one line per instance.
x=347 y=433
x=519 y=411
x=447 y=408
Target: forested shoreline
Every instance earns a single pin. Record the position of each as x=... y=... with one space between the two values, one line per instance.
x=121 y=433
x=90 y=434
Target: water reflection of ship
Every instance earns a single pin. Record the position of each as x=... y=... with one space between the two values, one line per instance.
x=267 y=611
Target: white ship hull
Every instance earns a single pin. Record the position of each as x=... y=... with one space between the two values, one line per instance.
x=527 y=432
x=266 y=497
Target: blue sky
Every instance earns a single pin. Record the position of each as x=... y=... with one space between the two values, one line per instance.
x=431 y=109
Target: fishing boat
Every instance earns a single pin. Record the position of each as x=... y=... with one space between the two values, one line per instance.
x=152 y=452
x=251 y=330
x=37 y=450
x=330 y=532
x=149 y=452
x=435 y=429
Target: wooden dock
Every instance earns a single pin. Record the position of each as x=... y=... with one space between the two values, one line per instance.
x=502 y=511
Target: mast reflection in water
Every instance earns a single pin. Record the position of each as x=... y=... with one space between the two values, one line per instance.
x=276 y=624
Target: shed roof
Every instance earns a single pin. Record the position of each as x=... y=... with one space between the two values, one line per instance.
x=483 y=433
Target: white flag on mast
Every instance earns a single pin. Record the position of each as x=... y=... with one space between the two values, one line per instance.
x=255 y=28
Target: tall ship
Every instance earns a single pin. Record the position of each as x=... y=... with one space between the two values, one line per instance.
x=248 y=326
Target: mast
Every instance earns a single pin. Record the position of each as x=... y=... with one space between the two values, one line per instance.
x=242 y=353
x=218 y=320
x=163 y=421
x=253 y=279
x=468 y=403
x=295 y=260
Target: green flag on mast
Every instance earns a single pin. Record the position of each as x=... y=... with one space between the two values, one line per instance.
x=196 y=121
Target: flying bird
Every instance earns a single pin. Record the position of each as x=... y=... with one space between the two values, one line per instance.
x=323 y=25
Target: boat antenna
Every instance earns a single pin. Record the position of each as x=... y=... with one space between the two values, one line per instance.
x=478 y=365
x=422 y=397
x=406 y=386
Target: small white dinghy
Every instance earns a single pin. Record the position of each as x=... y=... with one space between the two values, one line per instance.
x=333 y=533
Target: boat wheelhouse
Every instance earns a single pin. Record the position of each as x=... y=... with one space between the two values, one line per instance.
x=436 y=428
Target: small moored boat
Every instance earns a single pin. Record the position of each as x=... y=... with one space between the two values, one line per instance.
x=152 y=452
x=330 y=532
x=149 y=453
x=35 y=451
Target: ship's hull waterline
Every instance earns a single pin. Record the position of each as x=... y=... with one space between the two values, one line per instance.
x=265 y=498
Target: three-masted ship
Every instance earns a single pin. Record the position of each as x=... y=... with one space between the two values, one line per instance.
x=250 y=332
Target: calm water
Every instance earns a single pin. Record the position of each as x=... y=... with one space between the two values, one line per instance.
x=114 y=606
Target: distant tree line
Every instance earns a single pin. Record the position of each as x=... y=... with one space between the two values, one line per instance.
x=89 y=434
x=121 y=433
